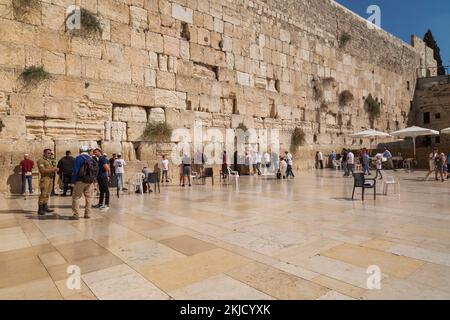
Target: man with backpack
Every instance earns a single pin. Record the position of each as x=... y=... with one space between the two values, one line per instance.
x=85 y=173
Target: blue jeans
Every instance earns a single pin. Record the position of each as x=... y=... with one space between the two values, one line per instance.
x=30 y=182
x=120 y=177
x=367 y=168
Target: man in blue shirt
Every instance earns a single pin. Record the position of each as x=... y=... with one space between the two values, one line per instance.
x=103 y=179
x=80 y=187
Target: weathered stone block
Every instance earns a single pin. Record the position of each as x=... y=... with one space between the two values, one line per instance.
x=133 y=114
x=170 y=99
x=182 y=13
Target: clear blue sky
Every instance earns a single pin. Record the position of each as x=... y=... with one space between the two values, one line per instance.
x=403 y=18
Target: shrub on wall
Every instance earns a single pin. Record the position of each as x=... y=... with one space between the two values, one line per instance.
x=34 y=75
x=345 y=97
x=90 y=25
x=242 y=126
x=344 y=38
x=373 y=107
x=157 y=132
x=298 y=138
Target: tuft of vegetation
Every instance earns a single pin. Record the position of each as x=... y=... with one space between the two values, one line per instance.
x=157 y=132
x=318 y=91
x=298 y=138
x=89 y=23
x=328 y=81
x=345 y=97
x=242 y=126
x=34 y=74
x=344 y=38
x=373 y=107
x=22 y=8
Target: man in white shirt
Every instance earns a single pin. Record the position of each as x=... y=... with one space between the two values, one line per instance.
x=119 y=165
x=165 y=169
x=350 y=163
x=320 y=159
x=290 y=162
x=257 y=164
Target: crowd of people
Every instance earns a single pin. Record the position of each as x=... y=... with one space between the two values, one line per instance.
x=78 y=175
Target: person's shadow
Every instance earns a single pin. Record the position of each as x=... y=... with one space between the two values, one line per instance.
x=14 y=181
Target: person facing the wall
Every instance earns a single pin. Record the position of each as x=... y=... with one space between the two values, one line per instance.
x=26 y=166
x=65 y=166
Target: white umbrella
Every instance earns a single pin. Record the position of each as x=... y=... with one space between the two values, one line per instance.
x=446 y=131
x=371 y=133
x=414 y=132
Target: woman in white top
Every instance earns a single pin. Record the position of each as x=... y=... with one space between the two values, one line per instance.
x=431 y=161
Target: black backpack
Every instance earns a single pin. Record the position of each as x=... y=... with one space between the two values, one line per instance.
x=89 y=170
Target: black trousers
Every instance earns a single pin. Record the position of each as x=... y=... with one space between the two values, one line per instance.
x=104 y=190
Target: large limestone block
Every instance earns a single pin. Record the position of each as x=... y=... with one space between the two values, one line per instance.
x=120 y=33
x=132 y=114
x=54 y=62
x=243 y=78
x=135 y=131
x=171 y=46
x=182 y=13
x=139 y=17
x=64 y=89
x=165 y=80
x=58 y=108
x=13 y=127
x=60 y=129
x=12 y=56
x=128 y=151
x=155 y=42
x=180 y=118
x=27 y=104
x=92 y=108
x=53 y=16
x=79 y=46
x=114 y=10
x=118 y=131
x=90 y=130
x=35 y=128
x=157 y=114
x=170 y=99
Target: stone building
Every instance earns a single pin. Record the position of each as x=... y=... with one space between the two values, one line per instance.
x=431 y=109
x=267 y=64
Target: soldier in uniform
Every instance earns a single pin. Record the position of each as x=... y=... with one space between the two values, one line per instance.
x=47 y=171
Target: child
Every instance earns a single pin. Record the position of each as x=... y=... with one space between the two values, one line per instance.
x=379 y=166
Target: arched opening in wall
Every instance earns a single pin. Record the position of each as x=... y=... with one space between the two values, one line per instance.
x=428 y=73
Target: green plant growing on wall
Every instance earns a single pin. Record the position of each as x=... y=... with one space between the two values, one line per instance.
x=22 y=8
x=344 y=38
x=298 y=138
x=373 y=108
x=242 y=126
x=345 y=97
x=157 y=132
x=34 y=74
x=89 y=23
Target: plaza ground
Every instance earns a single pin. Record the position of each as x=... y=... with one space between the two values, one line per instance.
x=266 y=239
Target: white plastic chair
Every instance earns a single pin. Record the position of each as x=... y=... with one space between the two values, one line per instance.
x=136 y=182
x=337 y=164
x=234 y=174
x=391 y=180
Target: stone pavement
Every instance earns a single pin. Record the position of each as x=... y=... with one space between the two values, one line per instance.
x=266 y=239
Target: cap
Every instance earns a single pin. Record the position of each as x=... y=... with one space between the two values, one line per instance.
x=85 y=148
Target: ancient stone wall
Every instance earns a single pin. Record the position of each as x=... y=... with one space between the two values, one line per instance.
x=267 y=64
